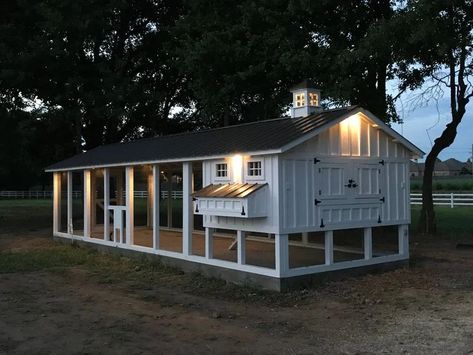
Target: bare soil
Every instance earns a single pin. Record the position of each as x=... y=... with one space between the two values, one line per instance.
x=424 y=309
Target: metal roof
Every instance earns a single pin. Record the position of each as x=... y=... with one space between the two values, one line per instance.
x=234 y=190
x=256 y=137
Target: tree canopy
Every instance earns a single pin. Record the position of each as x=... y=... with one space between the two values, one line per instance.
x=78 y=74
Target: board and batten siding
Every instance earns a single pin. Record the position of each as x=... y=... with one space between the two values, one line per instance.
x=270 y=176
x=353 y=149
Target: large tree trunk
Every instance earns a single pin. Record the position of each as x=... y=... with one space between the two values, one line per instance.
x=428 y=222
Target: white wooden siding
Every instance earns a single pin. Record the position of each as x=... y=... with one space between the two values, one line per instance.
x=267 y=224
x=355 y=150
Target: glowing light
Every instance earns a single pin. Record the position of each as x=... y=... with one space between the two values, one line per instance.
x=237 y=168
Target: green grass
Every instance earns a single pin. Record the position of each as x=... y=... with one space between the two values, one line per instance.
x=453 y=223
x=450 y=184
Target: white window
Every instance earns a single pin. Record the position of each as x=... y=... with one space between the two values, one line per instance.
x=254 y=168
x=221 y=170
x=300 y=100
x=314 y=99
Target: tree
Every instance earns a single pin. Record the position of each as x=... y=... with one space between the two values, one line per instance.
x=240 y=58
x=435 y=52
x=351 y=52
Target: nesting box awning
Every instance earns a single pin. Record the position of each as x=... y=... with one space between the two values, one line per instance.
x=235 y=190
x=232 y=200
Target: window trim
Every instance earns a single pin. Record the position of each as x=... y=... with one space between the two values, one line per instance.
x=221 y=178
x=300 y=99
x=312 y=100
x=247 y=169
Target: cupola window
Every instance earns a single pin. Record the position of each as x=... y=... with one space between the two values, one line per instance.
x=313 y=99
x=300 y=100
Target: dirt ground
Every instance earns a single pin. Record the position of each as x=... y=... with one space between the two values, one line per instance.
x=424 y=309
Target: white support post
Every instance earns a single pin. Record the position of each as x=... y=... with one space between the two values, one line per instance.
x=93 y=199
x=241 y=247
x=305 y=237
x=106 y=204
x=155 y=209
x=282 y=253
x=403 y=240
x=368 y=243
x=70 y=229
x=452 y=204
x=149 y=200
x=187 y=212
x=209 y=239
x=87 y=192
x=328 y=247
x=56 y=202
x=129 y=186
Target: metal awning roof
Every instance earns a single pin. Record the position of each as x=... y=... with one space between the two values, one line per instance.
x=235 y=190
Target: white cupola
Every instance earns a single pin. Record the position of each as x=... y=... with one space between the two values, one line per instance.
x=305 y=99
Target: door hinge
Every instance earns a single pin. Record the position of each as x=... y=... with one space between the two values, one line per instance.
x=382 y=162
x=316 y=202
x=243 y=211
x=322 y=223
x=316 y=160
x=320 y=192
x=382 y=199
x=196 y=208
x=379 y=219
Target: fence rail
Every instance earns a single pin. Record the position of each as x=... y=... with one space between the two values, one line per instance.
x=444 y=199
x=75 y=194
x=449 y=199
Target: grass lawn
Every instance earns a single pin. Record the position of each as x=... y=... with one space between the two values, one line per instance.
x=446 y=184
x=452 y=223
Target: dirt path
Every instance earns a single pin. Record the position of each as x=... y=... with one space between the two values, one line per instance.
x=426 y=309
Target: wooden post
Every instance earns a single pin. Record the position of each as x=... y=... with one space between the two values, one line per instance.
x=305 y=237
x=155 y=209
x=368 y=243
x=187 y=212
x=87 y=192
x=56 y=202
x=169 y=201
x=106 y=204
x=403 y=239
x=129 y=186
x=209 y=239
x=241 y=247
x=328 y=247
x=149 y=200
x=70 y=229
x=282 y=253
x=93 y=199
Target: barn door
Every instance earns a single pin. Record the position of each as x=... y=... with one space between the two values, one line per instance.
x=349 y=193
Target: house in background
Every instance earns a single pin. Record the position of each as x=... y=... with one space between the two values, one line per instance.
x=449 y=167
x=271 y=203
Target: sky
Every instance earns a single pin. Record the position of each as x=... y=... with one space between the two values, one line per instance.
x=423 y=123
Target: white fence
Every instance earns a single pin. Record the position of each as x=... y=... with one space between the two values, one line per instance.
x=448 y=199
x=175 y=195
x=445 y=199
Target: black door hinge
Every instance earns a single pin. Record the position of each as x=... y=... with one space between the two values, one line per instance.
x=379 y=219
x=196 y=208
x=322 y=223
x=382 y=199
x=316 y=202
x=382 y=162
x=316 y=160
x=243 y=211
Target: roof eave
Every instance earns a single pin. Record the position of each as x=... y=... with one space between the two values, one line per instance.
x=163 y=161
